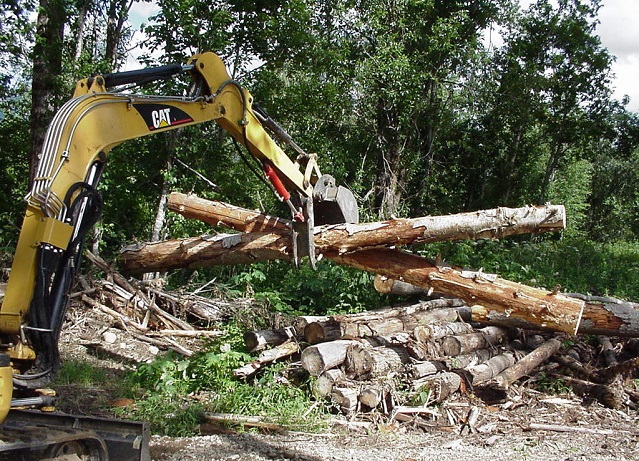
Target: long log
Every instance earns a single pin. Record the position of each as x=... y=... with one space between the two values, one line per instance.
x=385 y=321
x=337 y=239
x=605 y=316
x=526 y=306
x=500 y=298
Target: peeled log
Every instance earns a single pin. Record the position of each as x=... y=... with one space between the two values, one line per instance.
x=337 y=239
x=501 y=298
x=223 y=214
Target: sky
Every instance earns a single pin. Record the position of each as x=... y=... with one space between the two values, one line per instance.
x=618 y=30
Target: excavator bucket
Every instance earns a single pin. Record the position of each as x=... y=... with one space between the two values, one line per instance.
x=333 y=204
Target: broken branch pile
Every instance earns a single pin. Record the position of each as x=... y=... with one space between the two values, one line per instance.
x=150 y=314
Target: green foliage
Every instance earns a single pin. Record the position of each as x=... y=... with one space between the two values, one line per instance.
x=577 y=264
x=80 y=373
x=162 y=388
x=330 y=289
x=552 y=384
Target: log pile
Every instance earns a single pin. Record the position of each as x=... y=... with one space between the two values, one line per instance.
x=400 y=362
x=481 y=335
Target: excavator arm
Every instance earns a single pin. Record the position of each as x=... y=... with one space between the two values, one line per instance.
x=64 y=203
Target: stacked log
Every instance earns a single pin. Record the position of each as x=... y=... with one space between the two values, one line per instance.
x=359 y=360
x=381 y=361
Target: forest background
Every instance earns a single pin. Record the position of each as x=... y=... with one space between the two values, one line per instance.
x=404 y=102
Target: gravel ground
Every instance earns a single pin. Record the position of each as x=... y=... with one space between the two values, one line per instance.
x=502 y=433
x=304 y=447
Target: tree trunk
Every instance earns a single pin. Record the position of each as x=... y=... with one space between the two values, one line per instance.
x=118 y=13
x=47 y=67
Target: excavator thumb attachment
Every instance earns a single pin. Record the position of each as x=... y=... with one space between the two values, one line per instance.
x=333 y=204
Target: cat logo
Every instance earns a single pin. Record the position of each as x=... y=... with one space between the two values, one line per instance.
x=158 y=116
x=161 y=118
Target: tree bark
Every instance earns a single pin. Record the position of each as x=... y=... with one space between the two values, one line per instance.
x=385 y=321
x=47 y=67
x=341 y=238
x=500 y=298
x=364 y=363
x=527 y=306
x=491 y=336
x=222 y=214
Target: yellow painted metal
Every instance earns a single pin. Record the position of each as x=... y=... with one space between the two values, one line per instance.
x=6 y=387
x=95 y=122
x=54 y=232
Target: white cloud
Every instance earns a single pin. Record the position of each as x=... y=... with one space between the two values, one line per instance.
x=619 y=32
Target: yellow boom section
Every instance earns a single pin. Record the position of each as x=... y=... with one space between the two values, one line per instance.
x=88 y=126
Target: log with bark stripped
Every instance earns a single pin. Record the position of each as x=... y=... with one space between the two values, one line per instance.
x=277 y=244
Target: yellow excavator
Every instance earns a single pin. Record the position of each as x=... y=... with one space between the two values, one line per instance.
x=64 y=203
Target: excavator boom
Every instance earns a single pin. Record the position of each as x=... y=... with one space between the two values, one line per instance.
x=64 y=202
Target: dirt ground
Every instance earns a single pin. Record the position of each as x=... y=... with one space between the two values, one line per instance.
x=576 y=429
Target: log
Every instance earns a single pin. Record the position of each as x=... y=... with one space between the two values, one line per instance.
x=468 y=360
x=325 y=382
x=244 y=421
x=490 y=224
x=526 y=365
x=257 y=340
x=266 y=357
x=453 y=346
x=340 y=238
x=427 y=333
x=605 y=316
x=486 y=371
x=300 y=323
x=440 y=386
x=388 y=286
x=346 y=398
x=363 y=362
x=375 y=394
x=223 y=214
x=205 y=251
x=498 y=297
x=385 y=321
x=492 y=296
x=421 y=369
x=321 y=357
x=610 y=396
